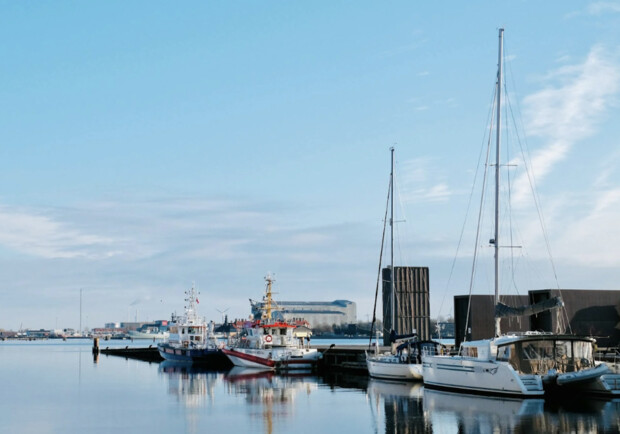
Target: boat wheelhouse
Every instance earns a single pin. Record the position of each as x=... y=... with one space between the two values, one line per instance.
x=272 y=343
x=192 y=339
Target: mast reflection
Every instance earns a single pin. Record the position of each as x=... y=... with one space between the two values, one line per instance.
x=270 y=395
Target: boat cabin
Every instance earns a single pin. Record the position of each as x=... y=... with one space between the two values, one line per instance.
x=540 y=353
x=188 y=335
x=535 y=353
x=275 y=334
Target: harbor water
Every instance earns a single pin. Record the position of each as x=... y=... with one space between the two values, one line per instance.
x=60 y=387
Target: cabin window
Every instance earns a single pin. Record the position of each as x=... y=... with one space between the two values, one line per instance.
x=583 y=354
x=183 y=331
x=283 y=332
x=197 y=338
x=469 y=352
x=505 y=352
x=538 y=350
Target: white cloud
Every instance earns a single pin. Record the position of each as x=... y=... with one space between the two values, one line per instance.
x=418 y=180
x=593 y=240
x=599 y=8
x=565 y=114
x=42 y=236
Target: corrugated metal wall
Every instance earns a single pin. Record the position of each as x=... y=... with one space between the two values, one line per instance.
x=412 y=302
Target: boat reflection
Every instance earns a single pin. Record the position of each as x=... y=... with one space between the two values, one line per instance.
x=402 y=406
x=581 y=416
x=192 y=385
x=411 y=408
x=271 y=395
x=475 y=413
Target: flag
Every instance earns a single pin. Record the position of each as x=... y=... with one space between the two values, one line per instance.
x=197 y=301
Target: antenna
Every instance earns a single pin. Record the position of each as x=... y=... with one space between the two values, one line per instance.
x=223 y=312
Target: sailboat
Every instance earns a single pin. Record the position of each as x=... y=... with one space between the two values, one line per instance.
x=404 y=362
x=526 y=364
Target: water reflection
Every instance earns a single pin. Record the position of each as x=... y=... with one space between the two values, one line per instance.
x=475 y=414
x=410 y=408
x=402 y=406
x=192 y=386
x=270 y=396
x=274 y=402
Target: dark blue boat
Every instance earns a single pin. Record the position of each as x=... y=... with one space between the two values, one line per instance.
x=192 y=340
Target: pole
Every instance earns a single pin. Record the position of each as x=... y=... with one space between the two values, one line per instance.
x=497 y=171
x=392 y=276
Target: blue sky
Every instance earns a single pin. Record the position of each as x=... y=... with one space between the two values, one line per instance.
x=145 y=146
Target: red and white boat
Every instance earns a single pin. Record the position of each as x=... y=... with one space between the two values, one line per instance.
x=271 y=343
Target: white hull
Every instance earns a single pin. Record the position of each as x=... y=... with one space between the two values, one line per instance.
x=273 y=358
x=479 y=376
x=391 y=368
x=141 y=335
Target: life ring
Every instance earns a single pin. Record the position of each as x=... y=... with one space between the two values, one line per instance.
x=268 y=338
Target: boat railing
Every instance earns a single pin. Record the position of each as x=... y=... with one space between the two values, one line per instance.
x=609 y=355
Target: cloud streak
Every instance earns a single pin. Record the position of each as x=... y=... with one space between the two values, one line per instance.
x=43 y=236
x=565 y=114
x=421 y=181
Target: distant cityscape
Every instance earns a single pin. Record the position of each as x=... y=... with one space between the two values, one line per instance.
x=337 y=318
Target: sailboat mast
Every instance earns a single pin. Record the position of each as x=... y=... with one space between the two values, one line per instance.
x=392 y=276
x=497 y=171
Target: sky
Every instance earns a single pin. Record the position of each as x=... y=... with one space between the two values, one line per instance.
x=146 y=147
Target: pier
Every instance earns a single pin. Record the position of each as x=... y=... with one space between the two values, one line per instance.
x=342 y=358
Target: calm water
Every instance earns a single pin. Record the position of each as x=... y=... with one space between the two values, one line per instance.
x=55 y=387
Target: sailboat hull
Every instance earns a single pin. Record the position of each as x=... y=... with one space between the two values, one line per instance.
x=391 y=368
x=478 y=376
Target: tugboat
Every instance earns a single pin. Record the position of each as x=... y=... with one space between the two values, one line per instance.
x=191 y=339
x=269 y=343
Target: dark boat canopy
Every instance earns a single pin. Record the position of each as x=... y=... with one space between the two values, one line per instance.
x=502 y=310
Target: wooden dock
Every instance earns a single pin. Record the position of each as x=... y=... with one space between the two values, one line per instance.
x=149 y=354
x=350 y=358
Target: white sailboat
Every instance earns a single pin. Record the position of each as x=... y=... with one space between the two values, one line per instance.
x=404 y=362
x=526 y=364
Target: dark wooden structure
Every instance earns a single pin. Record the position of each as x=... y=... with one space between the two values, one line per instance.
x=481 y=322
x=412 y=302
x=589 y=312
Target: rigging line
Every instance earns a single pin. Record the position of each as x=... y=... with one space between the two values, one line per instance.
x=510 y=222
x=480 y=210
x=532 y=182
x=404 y=234
x=374 y=309
x=469 y=202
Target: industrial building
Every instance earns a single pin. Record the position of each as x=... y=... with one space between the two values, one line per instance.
x=317 y=313
x=588 y=312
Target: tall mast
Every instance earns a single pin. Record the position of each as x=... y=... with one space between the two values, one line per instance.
x=392 y=276
x=497 y=171
x=268 y=306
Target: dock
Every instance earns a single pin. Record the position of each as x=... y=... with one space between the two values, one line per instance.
x=149 y=354
x=350 y=358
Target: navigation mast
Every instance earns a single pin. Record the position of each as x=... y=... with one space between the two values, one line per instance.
x=497 y=172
